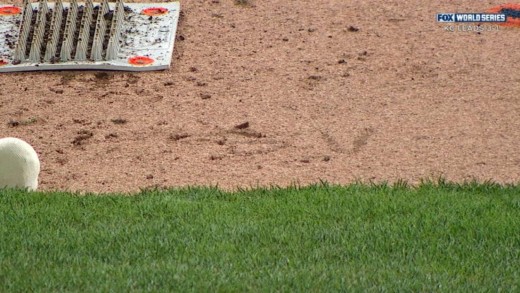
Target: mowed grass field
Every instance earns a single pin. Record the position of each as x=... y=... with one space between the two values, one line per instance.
x=440 y=237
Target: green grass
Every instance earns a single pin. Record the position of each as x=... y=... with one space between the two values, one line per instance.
x=437 y=237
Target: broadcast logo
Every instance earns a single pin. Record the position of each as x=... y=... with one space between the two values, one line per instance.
x=471 y=17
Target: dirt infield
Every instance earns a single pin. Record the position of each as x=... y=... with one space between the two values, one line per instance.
x=280 y=92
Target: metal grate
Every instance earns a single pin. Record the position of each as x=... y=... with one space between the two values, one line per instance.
x=87 y=35
x=74 y=33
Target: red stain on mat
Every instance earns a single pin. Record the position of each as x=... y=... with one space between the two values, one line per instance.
x=512 y=12
x=140 y=60
x=155 y=11
x=3 y=62
x=9 y=10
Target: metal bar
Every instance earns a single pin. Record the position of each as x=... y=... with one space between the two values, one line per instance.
x=84 y=33
x=115 y=31
x=25 y=27
x=99 y=34
x=70 y=28
x=52 y=45
x=37 y=41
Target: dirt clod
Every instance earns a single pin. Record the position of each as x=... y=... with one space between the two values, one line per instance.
x=13 y=123
x=215 y=157
x=111 y=135
x=119 y=121
x=179 y=136
x=242 y=125
x=102 y=75
x=245 y=3
x=82 y=137
x=25 y=122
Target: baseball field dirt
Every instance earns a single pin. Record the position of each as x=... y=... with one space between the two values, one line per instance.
x=277 y=92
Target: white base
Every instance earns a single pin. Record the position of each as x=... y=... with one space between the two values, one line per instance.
x=19 y=164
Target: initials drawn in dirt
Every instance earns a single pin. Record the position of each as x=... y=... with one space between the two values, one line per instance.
x=252 y=142
x=333 y=144
x=82 y=137
x=243 y=129
x=239 y=140
x=362 y=139
x=311 y=82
